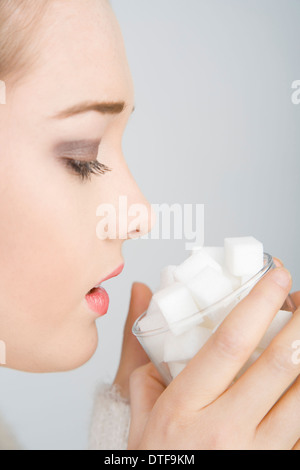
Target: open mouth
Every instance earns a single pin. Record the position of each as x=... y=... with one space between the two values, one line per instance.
x=94 y=289
x=115 y=273
x=97 y=298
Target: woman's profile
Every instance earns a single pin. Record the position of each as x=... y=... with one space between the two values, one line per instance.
x=69 y=95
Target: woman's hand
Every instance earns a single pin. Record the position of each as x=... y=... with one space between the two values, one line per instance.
x=203 y=409
x=133 y=355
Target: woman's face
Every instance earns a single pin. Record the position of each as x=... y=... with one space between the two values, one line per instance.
x=50 y=253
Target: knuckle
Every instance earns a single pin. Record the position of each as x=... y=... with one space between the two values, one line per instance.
x=174 y=412
x=138 y=376
x=218 y=439
x=280 y=358
x=231 y=344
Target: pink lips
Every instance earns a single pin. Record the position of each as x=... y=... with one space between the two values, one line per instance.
x=115 y=273
x=98 y=299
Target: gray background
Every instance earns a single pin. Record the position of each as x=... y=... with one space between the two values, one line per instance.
x=214 y=124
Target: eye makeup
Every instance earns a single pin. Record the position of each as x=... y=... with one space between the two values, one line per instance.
x=81 y=158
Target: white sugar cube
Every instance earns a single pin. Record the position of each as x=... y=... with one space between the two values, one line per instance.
x=209 y=286
x=193 y=265
x=186 y=345
x=244 y=256
x=217 y=253
x=195 y=249
x=167 y=276
x=153 y=344
x=279 y=322
x=152 y=321
x=175 y=303
x=176 y=368
x=217 y=315
x=257 y=353
x=235 y=281
x=153 y=308
x=245 y=279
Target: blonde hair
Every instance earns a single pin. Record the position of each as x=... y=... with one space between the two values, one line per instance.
x=18 y=21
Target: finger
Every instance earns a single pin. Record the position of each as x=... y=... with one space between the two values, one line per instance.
x=270 y=376
x=296 y=298
x=278 y=262
x=282 y=423
x=132 y=355
x=146 y=386
x=289 y=305
x=297 y=446
x=214 y=368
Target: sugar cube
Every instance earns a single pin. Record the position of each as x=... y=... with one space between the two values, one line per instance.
x=243 y=256
x=176 y=368
x=245 y=279
x=217 y=253
x=235 y=281
x=217 y=315
x=186 y=345
x=175 y=302
x=153 y=344
x=193 y=265
x=279 y=322
x=152 y=321
x=209 y=286
x=196 y=248
x=167 y=276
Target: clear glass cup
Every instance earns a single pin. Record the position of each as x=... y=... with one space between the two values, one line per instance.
x=154 y=341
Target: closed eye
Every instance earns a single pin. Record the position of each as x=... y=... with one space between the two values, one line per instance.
x=86 y=169
x=81 y=157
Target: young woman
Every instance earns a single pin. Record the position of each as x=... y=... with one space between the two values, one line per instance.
x=69 y=96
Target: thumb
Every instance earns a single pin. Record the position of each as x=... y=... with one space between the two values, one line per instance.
x=133 y=355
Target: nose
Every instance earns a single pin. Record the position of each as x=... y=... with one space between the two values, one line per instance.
x=132 y=216
x=136 y=208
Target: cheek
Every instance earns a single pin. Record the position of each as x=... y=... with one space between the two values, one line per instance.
x=45 y=243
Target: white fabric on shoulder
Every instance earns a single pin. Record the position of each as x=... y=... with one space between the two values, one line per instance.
x=110 y=420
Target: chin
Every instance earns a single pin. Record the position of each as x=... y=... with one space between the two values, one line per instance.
x=79 y=354
x=60 y=355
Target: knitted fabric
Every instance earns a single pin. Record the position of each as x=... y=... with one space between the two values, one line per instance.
x=110 y=420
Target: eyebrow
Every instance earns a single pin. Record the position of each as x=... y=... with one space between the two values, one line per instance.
x=103 y=108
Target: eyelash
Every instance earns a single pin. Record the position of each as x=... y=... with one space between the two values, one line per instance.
x=86 y=169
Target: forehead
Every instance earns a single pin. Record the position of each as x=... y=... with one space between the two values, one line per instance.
x=81 y=56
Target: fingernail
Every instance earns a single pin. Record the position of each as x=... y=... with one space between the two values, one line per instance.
x=282 y=277
x=278 y=262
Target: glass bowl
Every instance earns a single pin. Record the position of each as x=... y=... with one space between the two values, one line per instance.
x=169 y=347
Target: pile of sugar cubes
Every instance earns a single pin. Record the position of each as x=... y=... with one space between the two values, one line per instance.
x=209 y=279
